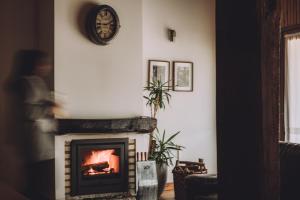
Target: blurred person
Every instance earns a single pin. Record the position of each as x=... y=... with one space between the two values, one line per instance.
x=35 y=136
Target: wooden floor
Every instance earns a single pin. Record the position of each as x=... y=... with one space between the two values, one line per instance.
x=168 y=194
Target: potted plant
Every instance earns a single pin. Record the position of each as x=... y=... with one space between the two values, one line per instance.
x=160 y=148
x=158 y=96
x=162 y=154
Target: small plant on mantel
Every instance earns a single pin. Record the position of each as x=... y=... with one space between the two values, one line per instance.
x=157 y=98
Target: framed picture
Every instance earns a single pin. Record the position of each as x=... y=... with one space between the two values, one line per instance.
x=159 y=70
x=183 y=76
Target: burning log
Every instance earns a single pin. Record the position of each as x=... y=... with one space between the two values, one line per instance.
x=96 y=166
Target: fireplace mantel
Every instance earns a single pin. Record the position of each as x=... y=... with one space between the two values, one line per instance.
x=136 y=124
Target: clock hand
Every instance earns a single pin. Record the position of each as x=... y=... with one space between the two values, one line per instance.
x=106 y=24
x=111 y=21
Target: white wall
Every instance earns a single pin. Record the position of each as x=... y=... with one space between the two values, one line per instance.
x=107 y=81
x=99 y=81
x=193 y=113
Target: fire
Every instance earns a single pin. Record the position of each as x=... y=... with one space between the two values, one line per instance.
x=100 y=162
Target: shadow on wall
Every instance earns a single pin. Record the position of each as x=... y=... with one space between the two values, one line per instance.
x=82 y=17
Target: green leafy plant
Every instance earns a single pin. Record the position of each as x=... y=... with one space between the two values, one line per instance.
x=157 y=97
x=163 y=148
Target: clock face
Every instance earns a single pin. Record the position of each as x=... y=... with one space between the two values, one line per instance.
x=105 y=24
x=102 y=24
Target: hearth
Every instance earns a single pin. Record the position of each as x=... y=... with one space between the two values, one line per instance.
x=99 y=166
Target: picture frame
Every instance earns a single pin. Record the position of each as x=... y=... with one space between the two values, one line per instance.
x=159 y=70
x=183 y=76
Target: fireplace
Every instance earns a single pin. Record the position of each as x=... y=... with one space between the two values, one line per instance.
x=99 y=166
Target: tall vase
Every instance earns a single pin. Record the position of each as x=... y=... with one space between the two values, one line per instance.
x=162 y=172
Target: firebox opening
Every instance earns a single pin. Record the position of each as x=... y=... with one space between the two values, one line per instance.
x=99 y=166
x=98 y=162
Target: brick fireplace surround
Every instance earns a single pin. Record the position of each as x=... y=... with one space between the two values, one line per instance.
x=134 y=130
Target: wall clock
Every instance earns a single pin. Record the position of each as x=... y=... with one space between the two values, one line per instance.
x=102 y=24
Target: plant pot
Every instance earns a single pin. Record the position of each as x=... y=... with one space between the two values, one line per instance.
x=162 y=172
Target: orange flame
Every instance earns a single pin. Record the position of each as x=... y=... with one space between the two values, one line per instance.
x=102 y=156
